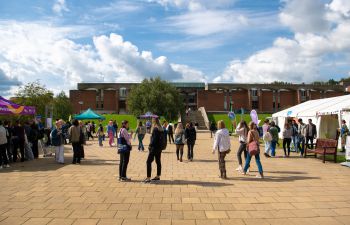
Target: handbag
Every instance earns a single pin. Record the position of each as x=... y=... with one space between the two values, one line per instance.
x=122 y=145
x=253 y=147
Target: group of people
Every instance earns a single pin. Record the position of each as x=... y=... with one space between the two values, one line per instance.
x=21 y=140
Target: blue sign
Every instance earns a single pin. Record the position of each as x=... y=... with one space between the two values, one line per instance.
x=231 y=115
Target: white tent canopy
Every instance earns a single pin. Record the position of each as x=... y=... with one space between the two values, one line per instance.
x=326 y=113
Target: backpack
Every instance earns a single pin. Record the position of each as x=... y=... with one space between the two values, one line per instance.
x=162 y=140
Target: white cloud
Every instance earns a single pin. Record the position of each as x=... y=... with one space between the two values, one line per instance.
x=31 y=51
x=7 y=83
x=298 y=59
x=60 y=6
x=195 y=5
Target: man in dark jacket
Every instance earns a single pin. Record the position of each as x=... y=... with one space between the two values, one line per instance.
x=18 y=141
x=311 y=133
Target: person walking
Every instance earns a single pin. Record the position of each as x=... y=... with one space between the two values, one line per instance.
x=18 y=141
x=115 y=126
x=4 y=163
x=287 y=138
x=294 y=127
x=155 y=151
x=74 y=134
x=274 y=134
x=301 y=137
x=191 y=136
x=267 y=137
x=9 y=145
x=242 y=131
x=57 y=140
x=311 y=134
x=223 y=145
x=212 y=129
x=253 y=136
x=125 y=155
x=170 y=131
x=100 y=135
x=179 y=141
x=344 y=131
x=111 y=132
x=140 y=132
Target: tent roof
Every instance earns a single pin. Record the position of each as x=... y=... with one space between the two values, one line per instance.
x=313 y=108
x=89 y=115
x=9 y=108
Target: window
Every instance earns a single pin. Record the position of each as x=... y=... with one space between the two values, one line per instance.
x=122 y=92
x=255 y=104
x=254 y=93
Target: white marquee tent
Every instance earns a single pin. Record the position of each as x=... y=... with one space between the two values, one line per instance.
x=326 y=113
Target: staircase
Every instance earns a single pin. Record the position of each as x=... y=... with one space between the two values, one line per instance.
x=195 y=117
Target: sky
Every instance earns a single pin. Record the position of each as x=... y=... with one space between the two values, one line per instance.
x=63 y=42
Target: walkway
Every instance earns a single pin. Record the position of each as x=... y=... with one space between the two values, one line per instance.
x=295 y=191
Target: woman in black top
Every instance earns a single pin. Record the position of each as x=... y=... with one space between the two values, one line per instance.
x=155 y=151
x=190 y=135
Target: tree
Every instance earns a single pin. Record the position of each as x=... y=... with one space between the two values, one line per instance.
x=156 y=96
x=62 y=106
x=34 y=94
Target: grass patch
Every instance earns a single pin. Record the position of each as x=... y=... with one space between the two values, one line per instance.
x=119 y=118
x=246 y=117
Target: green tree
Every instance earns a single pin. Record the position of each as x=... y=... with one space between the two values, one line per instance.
x=35 y=94
x=156 y=96
x=62 y=106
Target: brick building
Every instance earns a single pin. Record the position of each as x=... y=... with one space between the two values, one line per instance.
x=215 y=97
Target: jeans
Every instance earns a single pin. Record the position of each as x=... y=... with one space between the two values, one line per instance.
x=286 y=145
x=179 y=151
x=3 y=155
x=295 y=143
x=100 y=139
x=267 y=147
x=311 y=140
x=76 y=152
x=18 y=144
x=140 y=137
x=301 y=144
x=190 y=146
x=242 y=149
x=257 y=160
x=123 y=165
x=273 y=147
x=151 y=156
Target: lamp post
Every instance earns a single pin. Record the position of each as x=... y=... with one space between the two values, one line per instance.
x=81 y=105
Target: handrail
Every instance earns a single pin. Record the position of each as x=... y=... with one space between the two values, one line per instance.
x=205 y=116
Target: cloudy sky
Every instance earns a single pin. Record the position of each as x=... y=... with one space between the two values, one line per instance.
x=62 y=42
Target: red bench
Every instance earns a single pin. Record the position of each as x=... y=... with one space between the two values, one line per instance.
x=324 y=147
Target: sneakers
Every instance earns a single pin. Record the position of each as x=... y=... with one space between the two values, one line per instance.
x=147 y=180
x=124 y=179
x=259 y=176
x=7 y=166
x=267 y=155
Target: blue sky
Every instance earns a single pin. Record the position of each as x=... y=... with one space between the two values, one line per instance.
x=70 y=41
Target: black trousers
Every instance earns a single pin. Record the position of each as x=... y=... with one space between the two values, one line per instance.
x=18 y=144
x=151 y=156
x=9 y=150
x=76 y=152
x=311 y=140
x=35 y=149
x=242 y=149
x=190 y=146
x=179 y=151
x=171 y=137
x=286 y=145
x=3 y=155
x=123 y=164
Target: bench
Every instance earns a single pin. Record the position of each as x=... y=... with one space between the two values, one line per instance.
x=324 y=147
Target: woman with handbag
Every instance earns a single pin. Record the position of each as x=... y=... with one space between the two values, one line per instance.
x=253 y=149
x=242 y=131
x=222 y=144
x=179 y=141
x=125 y=140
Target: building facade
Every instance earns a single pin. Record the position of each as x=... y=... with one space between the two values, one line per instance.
x=215 y=97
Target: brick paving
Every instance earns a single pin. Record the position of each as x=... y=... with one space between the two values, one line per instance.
x=294 y=191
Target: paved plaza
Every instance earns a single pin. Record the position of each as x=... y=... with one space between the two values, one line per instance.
x=294 y=191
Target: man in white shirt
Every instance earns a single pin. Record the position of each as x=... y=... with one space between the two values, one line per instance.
x=3 y=145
